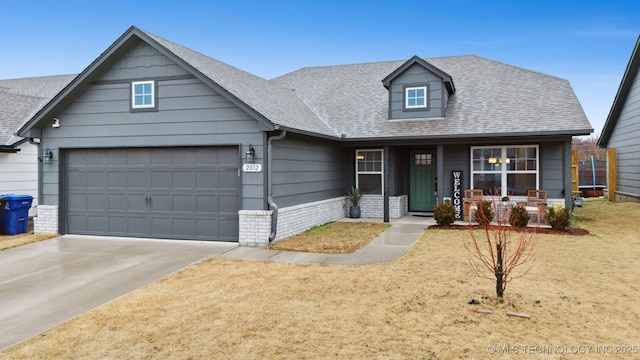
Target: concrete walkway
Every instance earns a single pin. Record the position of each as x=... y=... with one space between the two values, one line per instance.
x=391 y=244
x=46 y=283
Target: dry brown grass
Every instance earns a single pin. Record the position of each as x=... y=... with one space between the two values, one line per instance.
x=11 y=241
x=333 y=238
x=582 y=291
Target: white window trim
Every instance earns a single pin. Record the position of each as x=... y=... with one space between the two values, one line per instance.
x=406 y=98
x=381 y=172
x=503 y=165
x=153 y=95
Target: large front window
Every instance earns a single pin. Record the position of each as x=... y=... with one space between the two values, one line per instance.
x=369 y=171
x=504 y=170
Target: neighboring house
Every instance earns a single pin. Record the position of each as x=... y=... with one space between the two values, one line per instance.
x=157 y=140
x=622 y=131
x=20 y=99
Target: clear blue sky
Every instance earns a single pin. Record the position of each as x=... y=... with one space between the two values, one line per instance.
x=586 y=42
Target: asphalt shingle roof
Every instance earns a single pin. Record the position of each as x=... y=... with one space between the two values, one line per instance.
x=491 y=99
x=21 y=98
x=276 y=103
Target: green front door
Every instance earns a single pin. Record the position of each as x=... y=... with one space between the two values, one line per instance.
x=422 y=192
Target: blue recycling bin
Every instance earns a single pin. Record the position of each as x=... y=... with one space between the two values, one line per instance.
x=15 y=217
x=2 y=201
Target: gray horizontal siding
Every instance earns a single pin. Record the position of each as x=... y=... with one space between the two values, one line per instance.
x=416 y=76
x=626 y=139
x=305 y=170
x=143 y=61
x=189 y=114
x=551 y=172
x=456 y=158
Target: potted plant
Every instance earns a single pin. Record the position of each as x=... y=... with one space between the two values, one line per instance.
x=354 y=196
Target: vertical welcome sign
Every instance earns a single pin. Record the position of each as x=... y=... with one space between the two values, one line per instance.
x=457 y=193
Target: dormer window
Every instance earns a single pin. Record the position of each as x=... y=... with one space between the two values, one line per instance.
x=143 y=95
x=415 y=97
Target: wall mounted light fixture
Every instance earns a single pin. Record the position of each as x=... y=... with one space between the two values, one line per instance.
x=47 y=156
x=250 y=154
x=56 y=123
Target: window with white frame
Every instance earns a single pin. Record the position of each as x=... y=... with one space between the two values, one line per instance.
x=143 y=95
x=505 y=170
x=369 y=171
x=415 y=97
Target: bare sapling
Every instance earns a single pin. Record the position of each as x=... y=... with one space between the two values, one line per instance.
x=498 y=248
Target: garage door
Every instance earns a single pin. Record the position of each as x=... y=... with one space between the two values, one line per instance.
x=174 y=193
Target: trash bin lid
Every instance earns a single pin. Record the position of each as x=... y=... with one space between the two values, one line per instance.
x=12 y=197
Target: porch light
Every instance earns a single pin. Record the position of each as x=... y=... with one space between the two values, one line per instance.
x=250 y=154
x=47 y=156
x=56 y=123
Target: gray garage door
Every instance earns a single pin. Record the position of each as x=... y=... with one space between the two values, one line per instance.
x=175 y=193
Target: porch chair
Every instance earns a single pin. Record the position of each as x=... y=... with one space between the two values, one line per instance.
x=536 y=204
x=471 y=199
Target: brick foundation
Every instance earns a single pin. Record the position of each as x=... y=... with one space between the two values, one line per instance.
x=47 y=219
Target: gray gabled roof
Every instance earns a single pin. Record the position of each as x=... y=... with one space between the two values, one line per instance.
x=274 y=105
x=20 y=99
x=491 y=99
x=626 y=84
x=446 y=78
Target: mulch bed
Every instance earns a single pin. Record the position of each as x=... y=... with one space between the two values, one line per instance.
x=538 y=230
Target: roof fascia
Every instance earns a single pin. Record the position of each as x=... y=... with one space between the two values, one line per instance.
x=578 y=132
x=425 y=64
x=629 y=76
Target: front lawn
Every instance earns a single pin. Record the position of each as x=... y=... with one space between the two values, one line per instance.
x=580 y=295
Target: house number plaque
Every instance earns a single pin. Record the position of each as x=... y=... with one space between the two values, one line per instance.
x=252 y=168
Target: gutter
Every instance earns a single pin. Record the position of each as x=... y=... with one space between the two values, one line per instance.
x=272 y=204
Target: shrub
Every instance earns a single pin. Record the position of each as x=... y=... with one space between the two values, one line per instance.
x=444 y=214
x=484 y=212
x=519 y=217
x=559 y=219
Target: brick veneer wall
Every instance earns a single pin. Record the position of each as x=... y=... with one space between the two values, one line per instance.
x=372 y=206
x=294 y=220
x=47 y=219
x=255 y=227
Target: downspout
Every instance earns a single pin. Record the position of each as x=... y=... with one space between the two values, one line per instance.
x=272 y=204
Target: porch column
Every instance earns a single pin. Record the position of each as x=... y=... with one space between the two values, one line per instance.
x=386 y=184
x=440 y=173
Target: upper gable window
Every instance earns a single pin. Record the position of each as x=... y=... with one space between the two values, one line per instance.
x=415 y=97
x=143 y=95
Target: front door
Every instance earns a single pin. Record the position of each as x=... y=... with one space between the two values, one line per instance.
x=422 y=192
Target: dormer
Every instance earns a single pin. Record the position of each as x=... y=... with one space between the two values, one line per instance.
x=418 y=90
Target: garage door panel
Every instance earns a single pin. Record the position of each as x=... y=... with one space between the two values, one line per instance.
x=207 y=204
x=178 y=193
x=95 y=201
x=227 y=204
x=117 y=179
x=184 y=180
x=183 y=204
x=161 y=180
x=228 y=228
x=96 y=179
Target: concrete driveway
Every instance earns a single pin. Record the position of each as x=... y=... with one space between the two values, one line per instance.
x=46 y=283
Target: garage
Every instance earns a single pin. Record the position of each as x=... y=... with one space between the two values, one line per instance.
x=190 y=193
